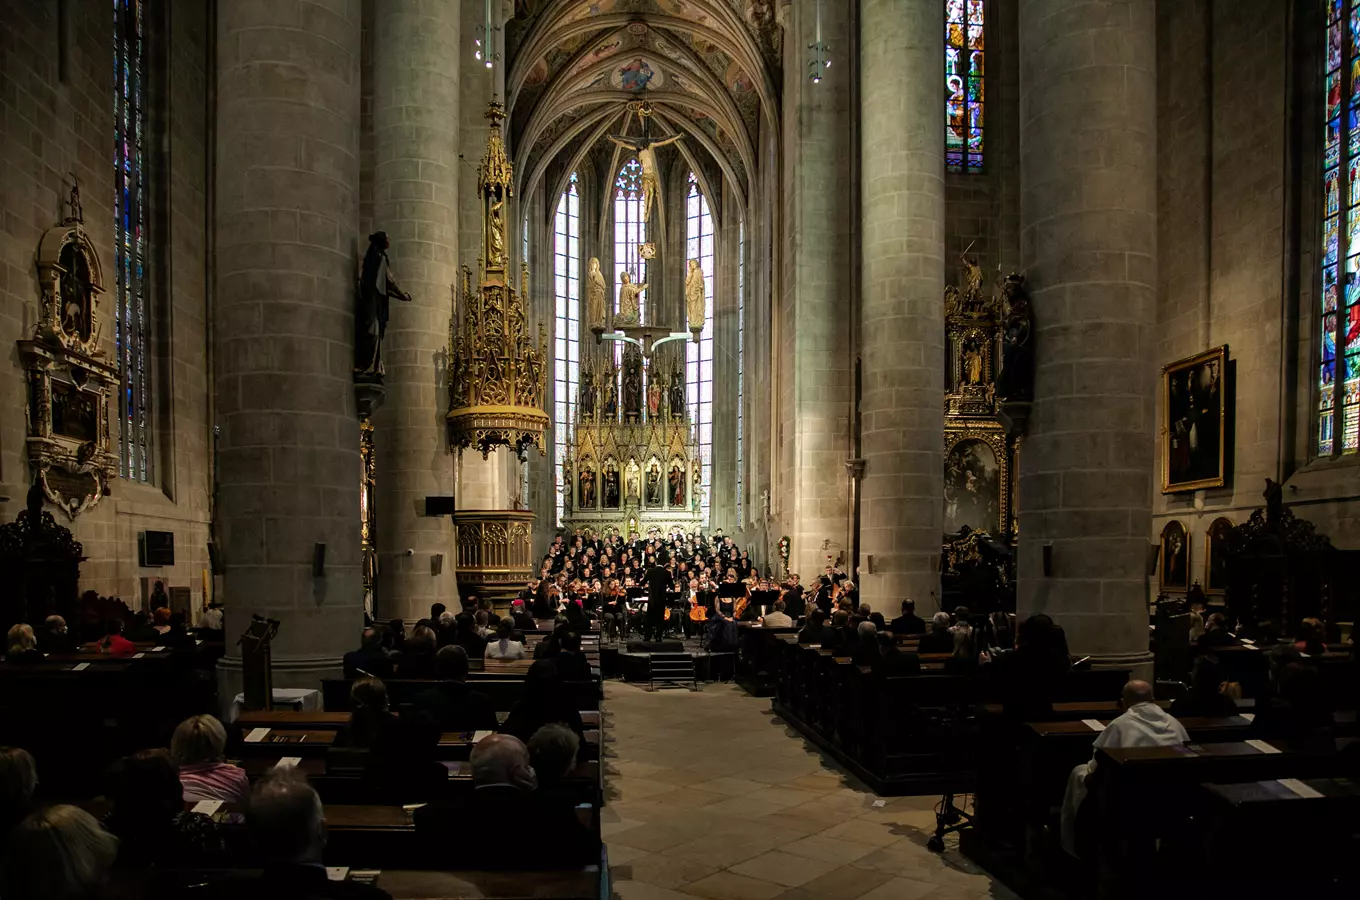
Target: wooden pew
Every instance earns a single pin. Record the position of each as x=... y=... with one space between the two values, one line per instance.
x=319 y=721
x=584 y=883
x=503 y=686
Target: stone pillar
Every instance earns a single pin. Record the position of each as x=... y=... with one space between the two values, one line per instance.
x=287 y=222
x=1088 y=142
x=902 y=317
x=415 y=200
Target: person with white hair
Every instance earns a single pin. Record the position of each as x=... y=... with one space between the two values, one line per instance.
x=939 y=639
x=56 y=638
x=866 y=648
x=58 y=853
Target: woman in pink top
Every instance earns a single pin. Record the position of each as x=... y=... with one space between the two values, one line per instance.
x=197 y=747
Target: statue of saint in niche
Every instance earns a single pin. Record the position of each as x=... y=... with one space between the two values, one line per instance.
x=376 y=288
x=695 y=296
x=654 y=484
x=596 y=289
x=630 y=300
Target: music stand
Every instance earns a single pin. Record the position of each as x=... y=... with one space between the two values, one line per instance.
x=258 y=679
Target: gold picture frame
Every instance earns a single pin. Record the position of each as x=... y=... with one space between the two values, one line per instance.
x=1194 y=429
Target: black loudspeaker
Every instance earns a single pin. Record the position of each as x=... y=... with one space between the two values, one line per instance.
x=436 y=563
x=318 y=560
x=439 y=506
x=214 y=560
x=1048 y=560
x=156 y=548
x=656 y=647
x=1154 y=552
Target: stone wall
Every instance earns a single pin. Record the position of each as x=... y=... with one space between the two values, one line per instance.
x=61 y=122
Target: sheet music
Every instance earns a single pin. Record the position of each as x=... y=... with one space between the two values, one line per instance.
x=256 y=735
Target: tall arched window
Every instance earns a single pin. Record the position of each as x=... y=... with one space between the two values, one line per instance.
x=741 y=367
x=699 y=358
x=963 y=71
x=566 y=329
x=1340 y=338
x=131 y=323
x=630 y=232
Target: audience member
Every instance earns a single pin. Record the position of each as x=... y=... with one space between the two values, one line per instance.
x=1196 y=625
x=417 y=660
x=963 y=659
x=553 y=751
x=23 y=645
x=1308 y=638
x=892 y=660
x=1001 y=633
x=811 y=632
x=1299 y=709
x=178 y=637
x=833 y=634
x=114 y=644
x=370 y=659
x=545 y=700
x=18 y=781
x=1143 y=724
x=160 y=620
x=492 y=617
x=369 y=716
x=777 y=618
x=58 y=853
x=55 y=637
x=197 y=747
x=1209 y=694
x=1216 y=632
x=1030 y=677
x=866 y=651
x=571 y=663
x=908 y=622
x=149 y=819
x=446 y=629
x=939 y=639
x=452 y=705
x=877 y=618
x=482 y=623
x=469 y=833
x=520 y=616
x=140 y=631
x=394 y=641
x=505 y=646
x=211 y=621
x=468 y=638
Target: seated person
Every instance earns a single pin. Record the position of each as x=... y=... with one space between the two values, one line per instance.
x=571 y=663
x=545 y=700
x=114 y=644
x=505 y=646
x=1308 y=639
x=141 y=631
x=939 y=639
x=211 y=622
x=1030 y=677
x=908 y=622
x=57 y=853
x=833 y=635
x=1216 y=633
x=866 y=651
x=777 y=618
x=160 y=620
x=964 y=659
x=493 y=618
x=369 y=715
x=452 y=705
x=197 y=747
x=811 y=633
x=520 y=616
x=1299 y=709
x=482 y=623
x=446 y=629
x=1209 y=694
x=892 y=660
x=469 y=833
x=149 y=819
x=553 y=751
x=1143 y=724
x=177 y=637
x=877 y=618
x=370 y=658
x=18 y=781
x=55 y=638
x=466 y=636
x=23 y=645
x=417 y=660
x=1000 y=633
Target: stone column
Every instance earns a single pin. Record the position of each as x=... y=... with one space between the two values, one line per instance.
x=415 y=200
x=1088 y=142
x=287 y=222
x=902 y=320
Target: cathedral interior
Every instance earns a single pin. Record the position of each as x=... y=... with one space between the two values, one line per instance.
x=319 y=309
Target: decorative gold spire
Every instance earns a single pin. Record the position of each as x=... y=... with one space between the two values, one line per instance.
x=498 y=377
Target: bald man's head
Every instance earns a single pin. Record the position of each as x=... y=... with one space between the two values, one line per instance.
x=500 y=759
x=1136 y=692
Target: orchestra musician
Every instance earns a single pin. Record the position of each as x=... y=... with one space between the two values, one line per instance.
x=614 y=617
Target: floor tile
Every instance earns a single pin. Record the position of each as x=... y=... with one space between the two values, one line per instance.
x=731 y=886
x=784 y=868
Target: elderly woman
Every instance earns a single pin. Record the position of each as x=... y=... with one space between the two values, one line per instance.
x=505 y=646
x=197 y=748
x=23 y=645
x=18 y=781
x=60 y=853
x=149 y=819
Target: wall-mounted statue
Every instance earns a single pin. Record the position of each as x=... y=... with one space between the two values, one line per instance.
x=678 y=392
x=596 y=290
x=695 y=297
x=630 y=300
x=632 y=383
x=1015 y=381
x=646 y=155
x=376 y=288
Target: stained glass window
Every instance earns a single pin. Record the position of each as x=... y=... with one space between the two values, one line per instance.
x=131 y=309
x=741 y=365
x=630 y=232
x=566 y=330
x=699 y=357
x=1339 y=339
x=963 y=71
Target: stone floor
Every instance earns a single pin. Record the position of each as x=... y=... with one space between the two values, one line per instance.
x=710 y=795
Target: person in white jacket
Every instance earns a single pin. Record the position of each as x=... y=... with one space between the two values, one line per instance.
x=1143 y=724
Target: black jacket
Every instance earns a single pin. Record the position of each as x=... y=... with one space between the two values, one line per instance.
x=374 y=662
x=908 y=623
x=573 y=666
x=455 y=706
x=470 y=833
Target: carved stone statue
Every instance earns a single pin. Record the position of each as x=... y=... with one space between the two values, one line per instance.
x=632 y=385
x=972 y=363
x=596 y=290
x=495 y=229
x=630 y=300
x=653 y=400
x=376 y=288
x=678 y=392
x=651 y=182
x=695 y=296
x=1015 y=381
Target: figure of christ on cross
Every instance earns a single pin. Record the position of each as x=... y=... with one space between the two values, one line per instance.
x=651 y=182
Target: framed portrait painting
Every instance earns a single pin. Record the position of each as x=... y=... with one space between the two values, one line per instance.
x=1175 y=567
x=1215 y=556
x=1195 y=415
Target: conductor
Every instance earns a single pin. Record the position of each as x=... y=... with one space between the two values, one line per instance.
x=658 y=582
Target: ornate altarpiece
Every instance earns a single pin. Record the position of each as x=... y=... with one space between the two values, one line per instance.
x=70 y=378
x=986 y=353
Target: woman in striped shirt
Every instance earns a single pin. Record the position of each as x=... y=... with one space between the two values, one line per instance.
x=197 y=747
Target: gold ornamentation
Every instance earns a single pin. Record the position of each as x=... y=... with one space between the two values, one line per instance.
x=70 y=378
x=498 y=375
x=368 y=514
x=495 y=551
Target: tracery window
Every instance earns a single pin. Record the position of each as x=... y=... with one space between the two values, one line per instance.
x=131 y=325
x=963 y=78
x=699 y=357
x=630 y=232
x=1340 y=332
x=566 y=330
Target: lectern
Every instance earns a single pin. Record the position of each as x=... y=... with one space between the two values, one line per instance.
x=255 y=663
